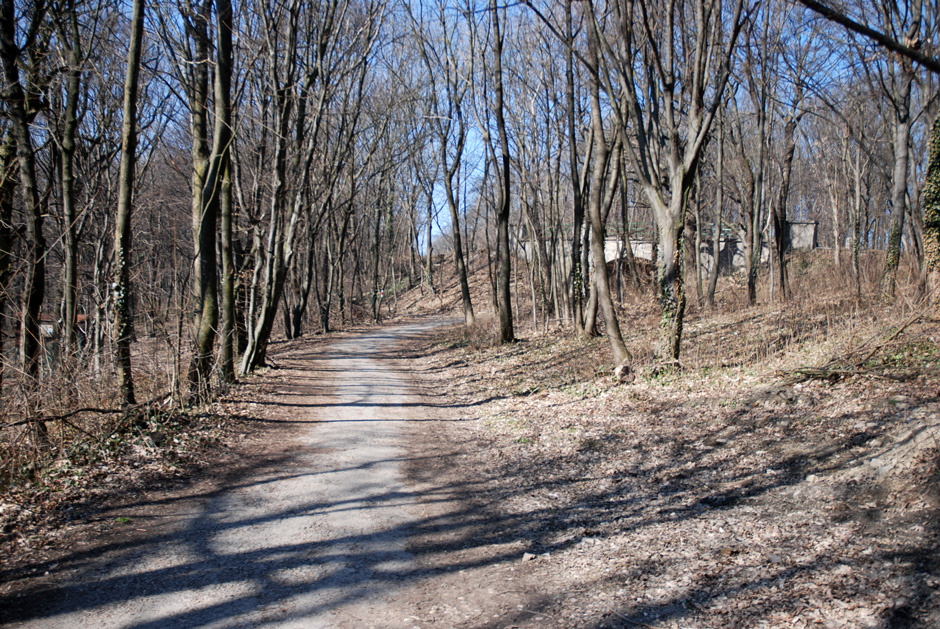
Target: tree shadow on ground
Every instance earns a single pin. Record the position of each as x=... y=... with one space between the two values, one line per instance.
x=281 y=581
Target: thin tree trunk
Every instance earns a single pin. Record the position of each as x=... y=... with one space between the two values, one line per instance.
x=716 y=231
x=699 y=287
x=902 y=137
x=576 y=271
x=606 y=165
x=67 y=146
x=8 y=184
x=228 y=331
x=198 y=90
x=429 y=261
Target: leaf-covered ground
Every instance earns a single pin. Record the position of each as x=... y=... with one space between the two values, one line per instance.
x=735 y=493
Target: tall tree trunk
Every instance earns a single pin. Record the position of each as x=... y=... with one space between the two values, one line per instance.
x=606 y=167
x=123 y=320
x=211 y=198
x=198 y=16
x=228 y=330
x=67 y=147
x=932 y=214
x=18 y=112
x=377 y=293
x=857 y=225
x=506 y=333
x=8 y=181
x=268 y=283
x=589 y=308
x=429 y=260
x=460 y=263
x=716 y=229
x=836 y=228
x=576 y=272
x=902 y=137
x=780 y=206
x=699 y=281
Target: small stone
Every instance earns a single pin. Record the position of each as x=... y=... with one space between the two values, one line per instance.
x=842 y=570
x=623 y=373
x=527 y=556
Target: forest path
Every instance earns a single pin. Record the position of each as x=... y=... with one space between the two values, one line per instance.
x=352 y=514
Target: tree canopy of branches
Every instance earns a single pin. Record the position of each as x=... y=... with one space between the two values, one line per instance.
x=291 y=166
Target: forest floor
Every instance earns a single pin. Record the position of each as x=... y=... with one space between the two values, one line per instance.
x=420 y=475
x=725 y=497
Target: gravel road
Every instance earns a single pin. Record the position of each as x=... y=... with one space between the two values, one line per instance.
x=312 y=534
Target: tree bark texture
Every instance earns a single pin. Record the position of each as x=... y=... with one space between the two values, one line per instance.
x=932 y=213
x=19 y=114
x=504 y=253
x=123 y=317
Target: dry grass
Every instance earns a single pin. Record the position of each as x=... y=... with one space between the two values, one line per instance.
x=72 y=415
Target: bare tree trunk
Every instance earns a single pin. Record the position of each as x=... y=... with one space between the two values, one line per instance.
x=8 y=179
x=67 y=148
x=377 y=293
x=586 y=272
x=857 y=225
x=210 y=197
x=460 y=264
x=576 y=285
x=780 y=206
x=429 y=260
x=699 y=283
x=503 y=253
x=932 y=213
x=228 y=330
x=194 y=72
x=123 y=320
x=902 y=137
x=716 y=229
x=901 y=99
x=606 y=167
x=20 y=117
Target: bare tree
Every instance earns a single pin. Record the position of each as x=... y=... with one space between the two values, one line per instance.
x=123 y=319
x=503 y=253
x=899 y=33
x=606 y=170
x=211 y=199
x=20 y=112
x=669 y=64
x=8 y=181
x=447 y=117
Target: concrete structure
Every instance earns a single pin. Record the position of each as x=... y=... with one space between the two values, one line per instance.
x=801 y=236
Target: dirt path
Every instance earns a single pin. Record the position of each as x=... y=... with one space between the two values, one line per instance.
x=317 y=528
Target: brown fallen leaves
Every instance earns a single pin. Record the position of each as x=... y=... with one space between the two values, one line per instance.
x=709 y=497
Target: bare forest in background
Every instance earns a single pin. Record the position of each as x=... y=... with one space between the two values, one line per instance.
x=182 y=184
